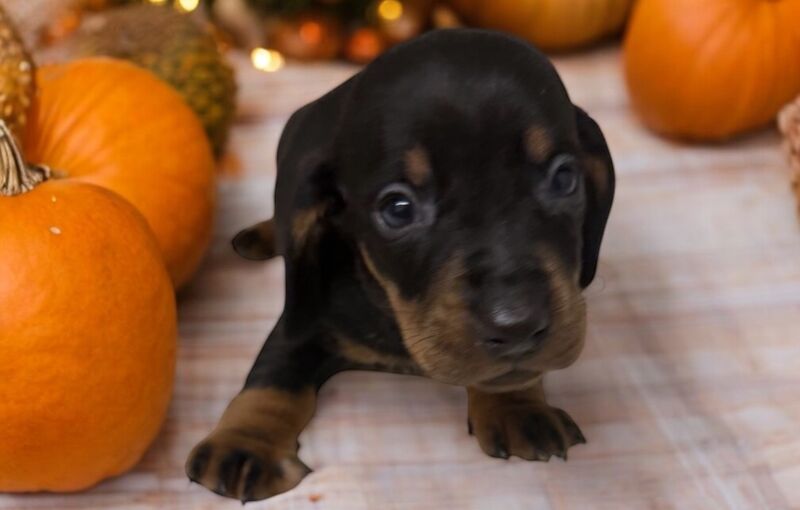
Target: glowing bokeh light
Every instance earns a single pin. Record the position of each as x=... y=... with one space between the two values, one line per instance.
x=188 y=5
x=390 y=10
x=266 y=60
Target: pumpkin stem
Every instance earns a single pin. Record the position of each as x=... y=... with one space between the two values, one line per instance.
x=16 y=177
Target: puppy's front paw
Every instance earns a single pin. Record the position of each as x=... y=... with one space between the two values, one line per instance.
x=532 y=431
x=240 y=465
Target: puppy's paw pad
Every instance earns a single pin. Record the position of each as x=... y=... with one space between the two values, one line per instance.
x=529 y=432
x=239 y=466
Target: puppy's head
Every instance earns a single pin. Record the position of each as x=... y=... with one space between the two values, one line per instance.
x=477 y=195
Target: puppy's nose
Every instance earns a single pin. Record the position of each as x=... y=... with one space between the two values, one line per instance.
x=515 y=331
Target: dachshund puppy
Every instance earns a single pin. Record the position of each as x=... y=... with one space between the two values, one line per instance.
x=438 y=214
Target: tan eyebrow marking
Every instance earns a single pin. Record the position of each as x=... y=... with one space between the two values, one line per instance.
x=538 y=144
x=418 y=166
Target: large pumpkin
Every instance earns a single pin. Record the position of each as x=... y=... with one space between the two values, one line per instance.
x=111 y=123
x=87 y=331
x=550 y=24
x=711 y=70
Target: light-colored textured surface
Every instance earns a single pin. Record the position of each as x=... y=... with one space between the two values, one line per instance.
x=688 y=390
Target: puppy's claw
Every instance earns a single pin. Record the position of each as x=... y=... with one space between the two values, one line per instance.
x=197 y=465
x=250 y=474
x=572 y=431
x=500 y=448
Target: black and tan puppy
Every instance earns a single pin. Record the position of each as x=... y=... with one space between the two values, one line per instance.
x=438 y=214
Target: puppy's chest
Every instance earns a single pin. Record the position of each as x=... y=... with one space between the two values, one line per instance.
x=363 y=328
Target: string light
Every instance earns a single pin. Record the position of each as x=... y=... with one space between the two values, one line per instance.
x=390 y=10
x=157 y=2
x=266 y=60
x=188 y=5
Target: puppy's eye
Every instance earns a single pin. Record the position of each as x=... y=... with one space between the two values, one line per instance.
x=564 y=175
x=397 y=210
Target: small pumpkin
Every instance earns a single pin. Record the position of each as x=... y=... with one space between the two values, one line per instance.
x=712 y=70
x=114 y=124
x=16 y=75
x=174 y=48
x=87 y=330
x=554 y=25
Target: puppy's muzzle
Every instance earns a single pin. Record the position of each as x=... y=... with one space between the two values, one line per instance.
x=512 y=316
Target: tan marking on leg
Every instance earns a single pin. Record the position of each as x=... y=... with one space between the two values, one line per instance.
x=280 y=414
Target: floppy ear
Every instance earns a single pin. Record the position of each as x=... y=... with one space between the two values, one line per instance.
x=256 y=242
x=310 y=246
x=307 y=197
x=600 y=184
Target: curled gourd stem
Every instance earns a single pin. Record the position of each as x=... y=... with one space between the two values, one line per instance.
x=16 y=176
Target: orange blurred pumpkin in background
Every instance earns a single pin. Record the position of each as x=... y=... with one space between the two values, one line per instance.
x=555 y=25
x=111 y=123
x=87 y=332
x=711 y=70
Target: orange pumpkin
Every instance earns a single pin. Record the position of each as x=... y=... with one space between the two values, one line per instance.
x=111 y=123
x=87 y=331
x=712 y=70
x=550 y=24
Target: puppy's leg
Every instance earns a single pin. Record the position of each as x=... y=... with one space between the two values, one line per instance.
x=521 y=423
x=252 y=453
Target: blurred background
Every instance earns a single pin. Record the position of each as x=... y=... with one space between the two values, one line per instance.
x=699 y=74
x=688 y=388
